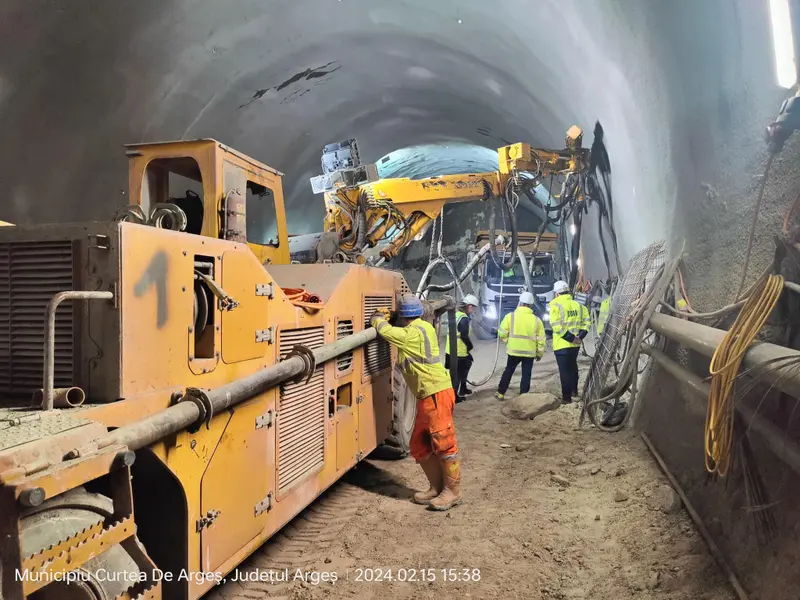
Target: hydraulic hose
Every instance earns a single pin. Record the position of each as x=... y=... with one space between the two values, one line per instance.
x=444 y=287
x=524 y=262
x=452 y=334
x=638 y=327
x=496 y=348
x=493 y=229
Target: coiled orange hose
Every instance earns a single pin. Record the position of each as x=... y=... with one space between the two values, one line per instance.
x=304 y=299
x=724 y=369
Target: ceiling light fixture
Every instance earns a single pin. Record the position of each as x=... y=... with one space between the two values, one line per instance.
x=783 y=42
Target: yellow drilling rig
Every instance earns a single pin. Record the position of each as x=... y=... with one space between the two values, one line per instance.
x=173 y=355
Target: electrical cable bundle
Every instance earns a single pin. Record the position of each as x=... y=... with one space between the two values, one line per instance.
x=725 y=367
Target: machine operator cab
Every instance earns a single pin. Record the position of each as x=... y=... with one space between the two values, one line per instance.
x=205 y=188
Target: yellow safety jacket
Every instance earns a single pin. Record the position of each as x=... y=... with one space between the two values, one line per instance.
x=418 y=355
x=461 y=347
x=524 y=333
x=567 y=315
x=602 y=317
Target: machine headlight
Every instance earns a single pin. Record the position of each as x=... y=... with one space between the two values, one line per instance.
x=490 y=310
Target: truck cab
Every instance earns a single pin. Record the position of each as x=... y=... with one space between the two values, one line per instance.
x=498 y=292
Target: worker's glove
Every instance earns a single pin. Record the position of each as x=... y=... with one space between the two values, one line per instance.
x=381 y=313
x=538 y=358
x=570 y=337
x=582 y=334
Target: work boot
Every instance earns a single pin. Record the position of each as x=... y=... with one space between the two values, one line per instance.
x=451 y=493
x=499 y=396
x=433 y=471
x=460 y=399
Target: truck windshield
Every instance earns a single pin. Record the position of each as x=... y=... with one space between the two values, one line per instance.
x=513 y=276
x=543 y=269
x=542 y=272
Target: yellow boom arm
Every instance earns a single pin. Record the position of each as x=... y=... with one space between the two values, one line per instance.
x=399 y=209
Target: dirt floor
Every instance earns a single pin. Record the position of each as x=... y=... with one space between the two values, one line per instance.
x=549 y=511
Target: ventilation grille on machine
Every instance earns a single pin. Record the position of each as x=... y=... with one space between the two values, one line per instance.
x=31 y=273
x=301 y=420
x=378 y=353
x=345 y=361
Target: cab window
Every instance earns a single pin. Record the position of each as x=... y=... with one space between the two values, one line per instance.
x=262 y=219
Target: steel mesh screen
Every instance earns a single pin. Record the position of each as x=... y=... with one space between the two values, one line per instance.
x=610 y=346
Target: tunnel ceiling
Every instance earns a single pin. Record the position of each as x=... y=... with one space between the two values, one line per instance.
x=278 y=80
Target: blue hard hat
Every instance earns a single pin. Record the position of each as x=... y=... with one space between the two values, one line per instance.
x=410 y=306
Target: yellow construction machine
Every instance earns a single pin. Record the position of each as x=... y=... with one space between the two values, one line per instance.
x=363 y=212
x=193 y=391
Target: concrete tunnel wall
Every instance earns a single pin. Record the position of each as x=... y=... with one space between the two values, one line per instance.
x=683 y=89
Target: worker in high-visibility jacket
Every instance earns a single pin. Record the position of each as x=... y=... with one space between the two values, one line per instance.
x=602 y=315
x=570 y=321
x=524 y=335
x=433 y=441
x=463 y=344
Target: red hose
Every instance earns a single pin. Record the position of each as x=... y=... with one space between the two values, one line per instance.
x=304 y=299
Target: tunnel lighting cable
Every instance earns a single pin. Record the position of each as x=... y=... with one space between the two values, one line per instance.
x=724 y=368
x=783 y=43
x=753 y=227
x=692 y=314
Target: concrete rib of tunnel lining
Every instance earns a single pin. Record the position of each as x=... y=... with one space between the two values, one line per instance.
x=278 y=81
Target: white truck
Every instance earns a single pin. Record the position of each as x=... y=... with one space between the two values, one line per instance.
x=498 y=292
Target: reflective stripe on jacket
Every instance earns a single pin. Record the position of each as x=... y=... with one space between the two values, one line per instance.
x=524 y=333
x=418 y=355
x=567 y=315
x=602 y=317
x=461 y=347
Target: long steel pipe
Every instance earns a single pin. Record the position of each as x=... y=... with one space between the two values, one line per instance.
x=184 y=414
x=771 y=362
x=779 y=444
x=48 y=377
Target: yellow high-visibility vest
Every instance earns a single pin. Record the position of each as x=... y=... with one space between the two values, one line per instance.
x=524 y=333
x=461 y=347
x=602 y=317
x=418 y=355
x=567 y=315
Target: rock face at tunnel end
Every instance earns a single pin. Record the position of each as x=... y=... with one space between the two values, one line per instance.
x=527 y=407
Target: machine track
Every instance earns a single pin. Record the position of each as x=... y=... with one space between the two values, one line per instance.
x=299 y=545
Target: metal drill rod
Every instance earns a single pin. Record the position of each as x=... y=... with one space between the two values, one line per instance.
x=185 y=414
x=769 y=361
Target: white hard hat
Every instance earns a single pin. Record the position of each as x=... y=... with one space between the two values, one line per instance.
x=470 y=299
x=560 y=286
x=526 y=298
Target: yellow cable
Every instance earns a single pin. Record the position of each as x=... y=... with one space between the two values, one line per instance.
x=724 y=369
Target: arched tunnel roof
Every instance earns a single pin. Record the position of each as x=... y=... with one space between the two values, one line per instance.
x=279 y=80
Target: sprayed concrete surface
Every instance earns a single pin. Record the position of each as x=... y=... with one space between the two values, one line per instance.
x=550 y=511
